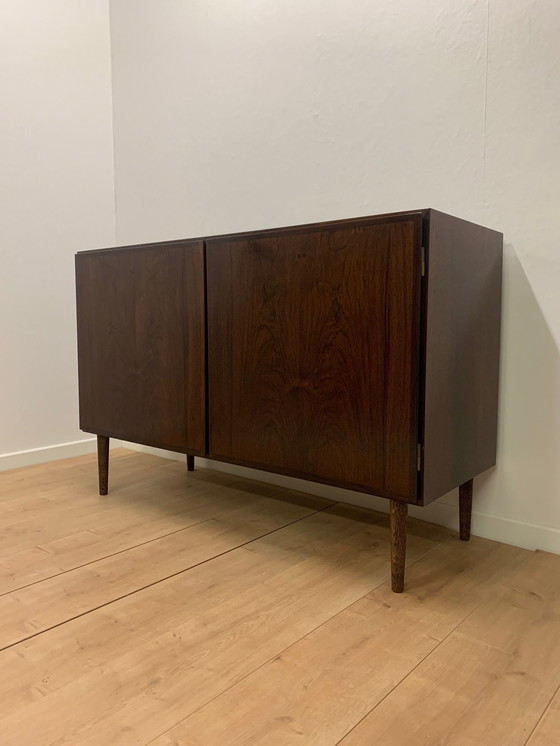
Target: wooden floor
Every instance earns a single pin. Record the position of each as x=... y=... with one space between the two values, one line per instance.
x=204 y=609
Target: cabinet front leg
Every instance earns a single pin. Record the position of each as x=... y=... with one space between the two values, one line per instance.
x=465 y=510
x=190 y=463
x=103 y=463
x=398 y=544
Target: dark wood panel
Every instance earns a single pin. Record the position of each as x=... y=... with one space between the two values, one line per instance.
x=141 y=344
x=464 y=280
x=313 y=353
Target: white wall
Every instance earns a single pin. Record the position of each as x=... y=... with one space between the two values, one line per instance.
x=239 y=115
x=522 y=197
x=56 y=197
x=234 y=115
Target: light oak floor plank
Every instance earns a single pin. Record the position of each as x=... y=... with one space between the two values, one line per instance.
x=547 y=730
x=203 y=609
x=86 y=510
x=91 y=527
x=24 y=491
x=317 y=690
x=490 y=681
x=129 y=671
x=243 y=517
x=73 y=493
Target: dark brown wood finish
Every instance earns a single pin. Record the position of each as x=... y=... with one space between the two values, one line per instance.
x=325 y=354
x=399 y=513
x=465 y=510
x=103 y=463
x=313 y=353
x=141 y=345
x=464 y=279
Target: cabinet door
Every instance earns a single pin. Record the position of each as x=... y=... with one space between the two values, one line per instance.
x=313 y=348
x=141 y=346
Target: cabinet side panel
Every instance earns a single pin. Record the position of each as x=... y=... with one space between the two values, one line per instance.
x=464 y=281
x=313 y=353
x=141 y=344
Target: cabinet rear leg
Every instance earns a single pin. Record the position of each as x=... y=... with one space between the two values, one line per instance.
x=465 y=510
x=398 y=544
x=190 y=463
x=103 y=463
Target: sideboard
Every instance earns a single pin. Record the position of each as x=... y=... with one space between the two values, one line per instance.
x=361 y=353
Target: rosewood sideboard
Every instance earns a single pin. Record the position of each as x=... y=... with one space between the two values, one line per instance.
x=361 y=353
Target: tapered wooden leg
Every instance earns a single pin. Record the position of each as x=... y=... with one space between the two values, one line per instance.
x=103 y=463
x=190 y=463
x=465 y=510
x=398 y=544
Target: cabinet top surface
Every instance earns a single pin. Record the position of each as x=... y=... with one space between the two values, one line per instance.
x=283 y=230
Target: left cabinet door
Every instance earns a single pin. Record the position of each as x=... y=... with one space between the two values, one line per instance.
x=141 y=344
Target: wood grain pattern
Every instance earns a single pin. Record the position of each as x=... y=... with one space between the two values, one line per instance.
x=510 y=651
x=329 y=359
x=121 y=673
x=55 y=530
x=141 y=344
x=293 y=638
x=325 y=355
x=464 y=280
x=313 y=354
x=317 y=690
x=61 y=526
x=547 y=730
x=219 y=522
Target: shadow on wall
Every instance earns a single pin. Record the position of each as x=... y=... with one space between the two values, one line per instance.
x=525 y=485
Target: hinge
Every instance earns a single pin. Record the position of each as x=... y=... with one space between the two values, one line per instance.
x=419 y=457
x=423 y=260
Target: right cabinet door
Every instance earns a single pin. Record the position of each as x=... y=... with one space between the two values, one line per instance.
x=313 y=348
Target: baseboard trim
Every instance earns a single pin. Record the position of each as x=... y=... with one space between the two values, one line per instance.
x=442 y=512
x=33 y=456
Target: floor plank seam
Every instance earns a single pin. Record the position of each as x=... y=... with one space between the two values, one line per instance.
x=296 y=642
x=101 y=559
x=161 y=580
x=542 y=716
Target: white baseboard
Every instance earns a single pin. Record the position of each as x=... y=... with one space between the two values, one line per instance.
x=442 y=512
x=50 y=453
